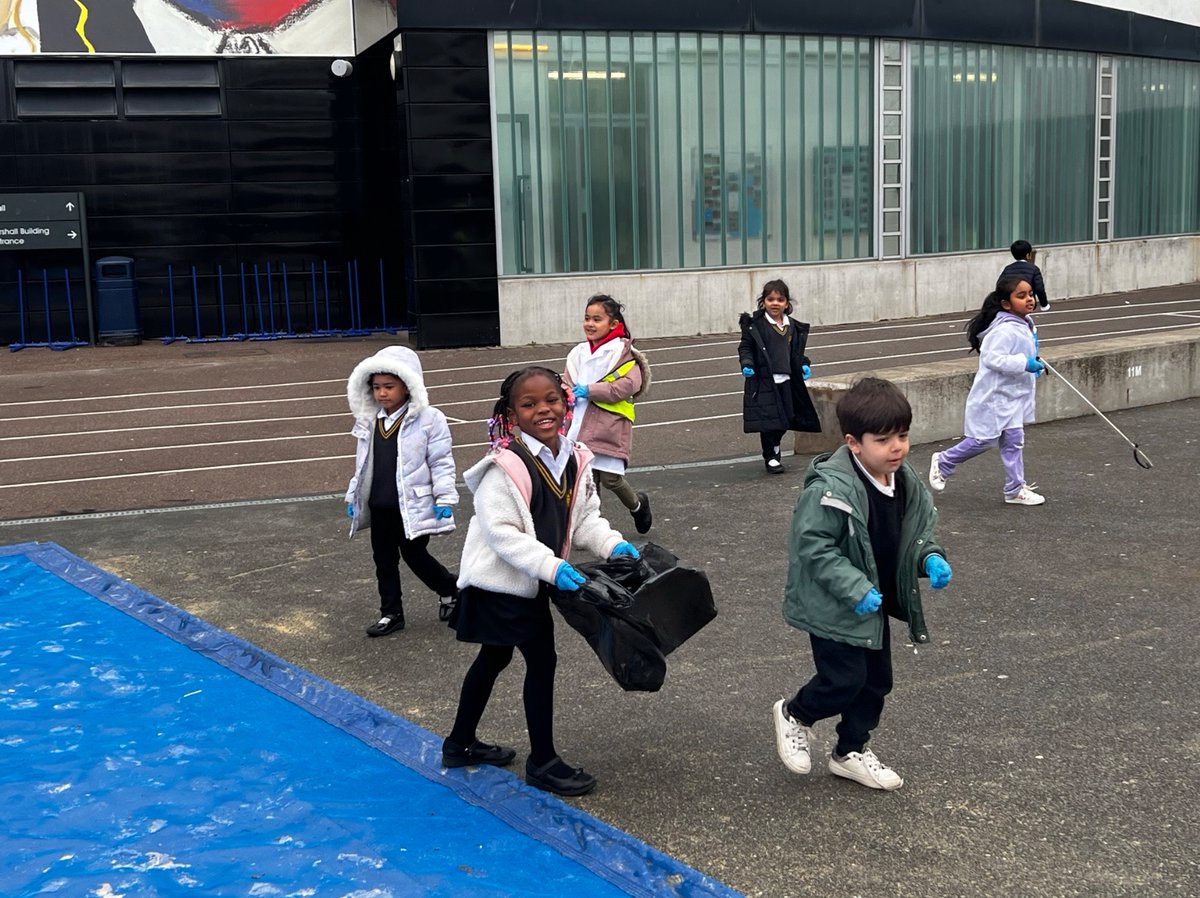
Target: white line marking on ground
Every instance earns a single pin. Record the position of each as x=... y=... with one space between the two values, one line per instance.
x=254 y=464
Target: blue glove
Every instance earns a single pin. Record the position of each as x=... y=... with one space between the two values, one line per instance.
x=806 y=370
x=580 y=391
x=349 y=511
x=938 y=570
x=625 y=548
x=869 y=603
x=747 y=371
x=1034 y=365
x=443 y=511
x=567 y=578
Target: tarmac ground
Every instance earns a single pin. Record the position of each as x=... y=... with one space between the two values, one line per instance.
x=1049 y=733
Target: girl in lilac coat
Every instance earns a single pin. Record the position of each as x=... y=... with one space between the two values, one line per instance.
x=1001 y=401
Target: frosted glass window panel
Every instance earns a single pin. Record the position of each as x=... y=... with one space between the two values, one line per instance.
x=1156 y=168
x=620 y=151
x=1002 y=146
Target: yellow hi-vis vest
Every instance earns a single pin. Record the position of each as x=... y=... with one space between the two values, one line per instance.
x=624 y=407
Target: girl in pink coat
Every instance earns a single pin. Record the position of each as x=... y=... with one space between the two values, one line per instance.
x=606 y=375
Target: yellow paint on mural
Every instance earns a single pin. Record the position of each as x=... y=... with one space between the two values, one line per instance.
x=81 y=26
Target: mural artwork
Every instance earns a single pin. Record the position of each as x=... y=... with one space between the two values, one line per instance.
x=184 y=27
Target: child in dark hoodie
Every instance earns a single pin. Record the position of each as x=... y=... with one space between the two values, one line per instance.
x=403 y=484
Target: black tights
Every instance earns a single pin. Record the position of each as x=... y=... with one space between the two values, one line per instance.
x=538 y=693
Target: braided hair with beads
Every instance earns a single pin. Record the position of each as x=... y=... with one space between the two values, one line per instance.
x=499 y=426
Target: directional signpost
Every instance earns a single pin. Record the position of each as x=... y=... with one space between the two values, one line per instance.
x=48 y=221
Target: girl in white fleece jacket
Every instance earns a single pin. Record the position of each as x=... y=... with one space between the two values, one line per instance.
x=534 y=497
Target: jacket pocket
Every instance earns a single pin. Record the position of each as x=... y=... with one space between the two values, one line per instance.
x=422 y=490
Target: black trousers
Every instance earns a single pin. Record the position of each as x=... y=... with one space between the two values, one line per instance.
x=851 y=681
x=388 y=546
x=771 y=441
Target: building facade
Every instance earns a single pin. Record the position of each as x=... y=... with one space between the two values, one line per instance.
x=475 y=172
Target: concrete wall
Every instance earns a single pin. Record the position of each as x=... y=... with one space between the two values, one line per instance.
x=549 y=309
x=1124 y=372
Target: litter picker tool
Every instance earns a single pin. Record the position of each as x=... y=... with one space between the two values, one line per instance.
x=1138 y=455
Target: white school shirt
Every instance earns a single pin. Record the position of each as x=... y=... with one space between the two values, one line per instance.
x=556 y=464
x=889 y=490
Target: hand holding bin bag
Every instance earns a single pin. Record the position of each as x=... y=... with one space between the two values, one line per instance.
x=634 y=612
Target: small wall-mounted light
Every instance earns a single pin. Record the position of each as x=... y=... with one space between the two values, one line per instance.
x=341 y=68
x=580 y=75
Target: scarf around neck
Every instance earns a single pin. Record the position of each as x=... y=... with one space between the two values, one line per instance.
x=617 y=332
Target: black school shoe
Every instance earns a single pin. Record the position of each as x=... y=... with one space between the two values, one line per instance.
x=389 y=623
x=578 y=782
x=454 y=755
x=774 y=466
x=642 y=518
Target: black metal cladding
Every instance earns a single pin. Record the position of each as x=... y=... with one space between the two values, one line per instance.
x=277 y=176
x=445 y=96
x=1064 y=24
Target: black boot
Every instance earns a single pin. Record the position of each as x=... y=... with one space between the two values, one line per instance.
x=642 y=518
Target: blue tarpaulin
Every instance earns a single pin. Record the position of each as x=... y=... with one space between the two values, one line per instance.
x=133 y=764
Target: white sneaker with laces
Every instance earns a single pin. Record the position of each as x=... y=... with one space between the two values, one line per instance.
x=863 y=767
x=1026 y=497
x=792 y=739
x=936 y=481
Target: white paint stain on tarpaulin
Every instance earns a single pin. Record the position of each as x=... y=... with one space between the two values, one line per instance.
x=193 y=27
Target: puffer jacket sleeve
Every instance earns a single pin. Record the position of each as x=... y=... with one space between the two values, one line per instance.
x=747 y=347
x=440 y=455
x=360 y=460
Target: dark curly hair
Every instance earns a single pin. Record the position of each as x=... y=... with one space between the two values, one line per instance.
x=499 y=427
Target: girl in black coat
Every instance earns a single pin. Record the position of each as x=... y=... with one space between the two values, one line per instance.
x=775 y=367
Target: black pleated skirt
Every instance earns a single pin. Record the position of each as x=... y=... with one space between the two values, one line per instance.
x=497 y=618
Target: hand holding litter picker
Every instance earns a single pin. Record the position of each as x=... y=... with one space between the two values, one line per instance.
x=1138 y=455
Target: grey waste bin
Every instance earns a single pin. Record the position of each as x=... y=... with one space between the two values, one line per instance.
x=117 y=314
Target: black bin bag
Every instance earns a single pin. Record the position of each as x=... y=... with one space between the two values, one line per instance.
x=635 y=612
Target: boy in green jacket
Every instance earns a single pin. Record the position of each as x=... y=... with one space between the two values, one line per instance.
x=862 y=533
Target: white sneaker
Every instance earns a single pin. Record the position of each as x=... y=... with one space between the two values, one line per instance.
x=1043 y=306
x=791 y=740
x=866 y=769
x=1026 y=497
x=936 y=481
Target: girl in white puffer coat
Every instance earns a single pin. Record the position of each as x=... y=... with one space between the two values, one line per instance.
x=403 y=484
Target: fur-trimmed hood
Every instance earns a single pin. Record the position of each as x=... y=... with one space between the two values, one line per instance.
x=398 y=360
x=644 y=364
